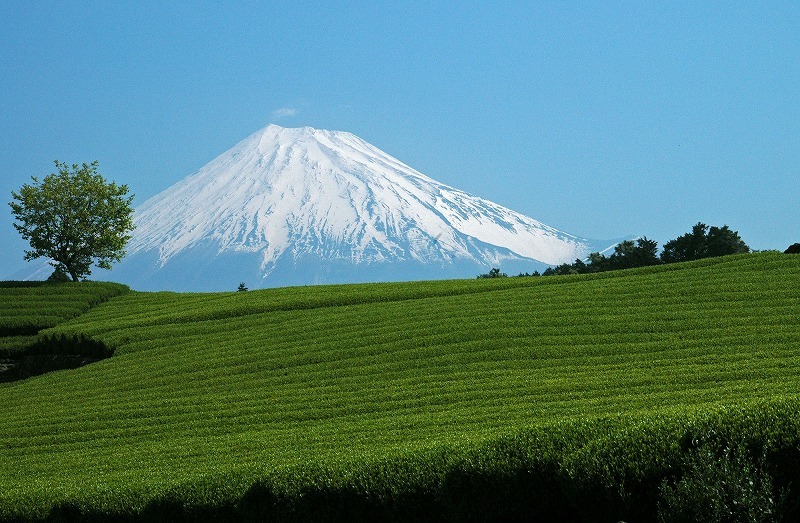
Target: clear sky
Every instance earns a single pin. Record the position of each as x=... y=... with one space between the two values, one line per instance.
x=603 y=119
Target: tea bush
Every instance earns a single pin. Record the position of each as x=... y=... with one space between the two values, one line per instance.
x=581 y=397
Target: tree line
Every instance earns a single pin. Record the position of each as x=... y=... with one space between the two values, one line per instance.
x=701 y=242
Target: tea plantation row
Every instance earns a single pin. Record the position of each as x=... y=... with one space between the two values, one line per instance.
x=584 y=397
x=28 y=307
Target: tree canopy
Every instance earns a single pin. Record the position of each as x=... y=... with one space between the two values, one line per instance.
x=629 y=254
x=75 y=218
x=703 y=242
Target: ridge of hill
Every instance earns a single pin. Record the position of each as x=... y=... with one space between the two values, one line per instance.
x=370 y=400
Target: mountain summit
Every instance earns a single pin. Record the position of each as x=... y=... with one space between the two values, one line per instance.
x=304 y=206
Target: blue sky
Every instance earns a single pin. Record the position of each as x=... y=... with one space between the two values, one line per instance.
x=603 y=119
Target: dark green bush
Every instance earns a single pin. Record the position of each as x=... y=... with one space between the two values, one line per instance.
x=76 y=345
x=59 y=275
x=721 y=486
x=493 y=273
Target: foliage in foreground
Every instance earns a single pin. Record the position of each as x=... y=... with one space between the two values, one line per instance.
x=711 y=465
x=586 y=397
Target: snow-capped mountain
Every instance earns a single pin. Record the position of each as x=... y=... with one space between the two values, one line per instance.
x=302 y=206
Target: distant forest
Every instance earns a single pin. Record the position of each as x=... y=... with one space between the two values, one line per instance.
x=702 y=242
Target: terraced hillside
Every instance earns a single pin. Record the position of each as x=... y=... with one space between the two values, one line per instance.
x=576 y=396
x=29 y=307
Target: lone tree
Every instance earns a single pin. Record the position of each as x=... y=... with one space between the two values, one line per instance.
x=75 y=217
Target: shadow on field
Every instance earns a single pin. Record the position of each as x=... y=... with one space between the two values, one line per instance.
x=711 y=478
x=527 y=495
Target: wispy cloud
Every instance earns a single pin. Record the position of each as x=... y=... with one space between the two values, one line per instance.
x=283 y=112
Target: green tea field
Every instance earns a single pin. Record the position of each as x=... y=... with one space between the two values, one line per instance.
x=584 y=397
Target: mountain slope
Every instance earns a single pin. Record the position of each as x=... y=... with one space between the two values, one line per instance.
x=300 y=206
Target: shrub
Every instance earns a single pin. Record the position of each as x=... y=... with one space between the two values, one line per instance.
x=729 y=486
x=59 y=275
x=494 y=273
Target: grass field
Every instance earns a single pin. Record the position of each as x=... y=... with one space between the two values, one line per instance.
x=414 y=399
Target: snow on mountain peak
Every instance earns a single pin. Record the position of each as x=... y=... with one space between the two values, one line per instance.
x=294 y=193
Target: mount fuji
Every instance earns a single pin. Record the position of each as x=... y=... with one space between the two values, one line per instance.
x=307 y=206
